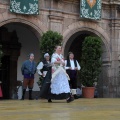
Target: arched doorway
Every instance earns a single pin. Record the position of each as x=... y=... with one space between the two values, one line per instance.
x=18 y=40
x=74 y=44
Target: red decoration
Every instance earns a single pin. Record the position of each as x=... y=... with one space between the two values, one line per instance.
x=58 y=59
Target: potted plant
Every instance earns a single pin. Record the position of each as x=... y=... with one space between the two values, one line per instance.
x=40 y=81
x=49 y=40
x=90 y=64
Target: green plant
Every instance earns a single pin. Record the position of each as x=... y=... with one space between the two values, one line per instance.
x=91 y=60
x=1 y=54
x=47 y=44
x=40 y=81
x=49 y=40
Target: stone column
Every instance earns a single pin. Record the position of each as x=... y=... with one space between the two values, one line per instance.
x=114 y=38
x=55 y=23
x=55 y=17
x=103 y=82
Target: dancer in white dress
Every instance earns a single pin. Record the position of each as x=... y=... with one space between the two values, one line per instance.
x=60 y=88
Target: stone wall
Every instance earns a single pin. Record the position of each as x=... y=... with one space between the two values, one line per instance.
x=63 y=16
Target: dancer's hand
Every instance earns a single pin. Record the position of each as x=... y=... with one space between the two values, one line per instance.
x=70 y=68
x=43 y=75
x=62 y=63
x=76 y=68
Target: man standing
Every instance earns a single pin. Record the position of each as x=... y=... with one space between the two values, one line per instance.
x=28 y=70
x=71 y=66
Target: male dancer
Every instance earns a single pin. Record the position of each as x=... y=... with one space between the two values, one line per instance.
x=71 y=66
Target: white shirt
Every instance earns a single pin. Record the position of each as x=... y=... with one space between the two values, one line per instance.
x=56 y=56
x=40 y=67
x=72 y=65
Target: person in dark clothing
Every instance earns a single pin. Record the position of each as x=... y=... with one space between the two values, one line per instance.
x=28 y=70
x=71 y=66
x=45 y=90
x=44 y=69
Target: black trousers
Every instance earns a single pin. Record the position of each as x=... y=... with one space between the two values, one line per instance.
x=73 y=78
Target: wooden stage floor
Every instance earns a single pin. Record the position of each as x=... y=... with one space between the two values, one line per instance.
x=80 y=109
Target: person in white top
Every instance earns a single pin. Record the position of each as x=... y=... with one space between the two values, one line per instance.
x=44 y=69
x=60 y=88
x=71 y=66
x=41 y=68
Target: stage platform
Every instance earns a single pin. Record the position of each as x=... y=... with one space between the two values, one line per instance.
x=80 y=109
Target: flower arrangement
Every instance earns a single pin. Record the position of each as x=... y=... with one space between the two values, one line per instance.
x=58 y=59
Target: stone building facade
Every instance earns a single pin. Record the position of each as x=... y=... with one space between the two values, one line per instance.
x=64 y=16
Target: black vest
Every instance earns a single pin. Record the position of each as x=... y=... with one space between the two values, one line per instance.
x=45 y=68
x=68 y=63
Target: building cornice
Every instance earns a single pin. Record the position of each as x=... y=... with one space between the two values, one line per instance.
x=117 y=2
x=103 y=1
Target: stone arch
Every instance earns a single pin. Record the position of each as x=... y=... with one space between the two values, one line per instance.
x=38 y=30
x=90 y=27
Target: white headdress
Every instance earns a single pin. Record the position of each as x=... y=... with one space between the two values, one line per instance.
x=46 y=54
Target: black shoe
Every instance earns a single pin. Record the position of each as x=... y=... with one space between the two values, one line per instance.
x=49 y=100
x=30 y=94
x=70 y=99
x=23 y=95
x=22 y=98
x=31 y=99
x=76 y=97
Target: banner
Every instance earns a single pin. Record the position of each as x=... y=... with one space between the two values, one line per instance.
x=24 y=6
x=91 y=9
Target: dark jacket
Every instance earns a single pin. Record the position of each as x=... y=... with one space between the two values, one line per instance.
x=45 y=68
x=68 y=63
x=26 y=67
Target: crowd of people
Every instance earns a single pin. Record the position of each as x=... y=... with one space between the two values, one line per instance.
x=59 y=76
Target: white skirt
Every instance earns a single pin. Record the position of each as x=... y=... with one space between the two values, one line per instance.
x=60 y=84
